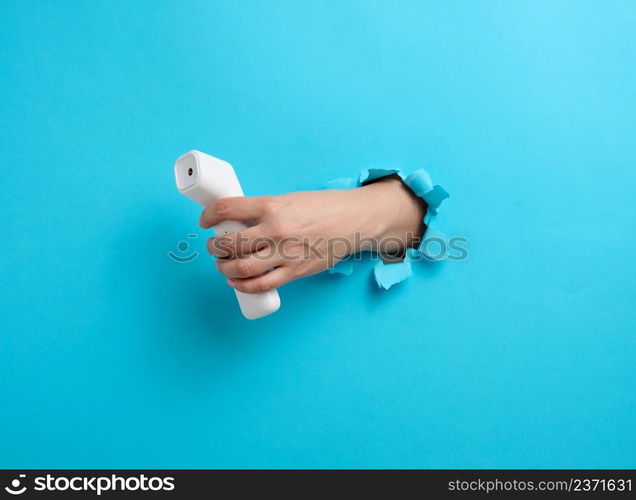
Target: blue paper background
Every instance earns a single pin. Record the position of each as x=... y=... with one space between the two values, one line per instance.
x=112 y=355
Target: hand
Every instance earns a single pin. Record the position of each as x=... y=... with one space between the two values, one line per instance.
x=303 y=233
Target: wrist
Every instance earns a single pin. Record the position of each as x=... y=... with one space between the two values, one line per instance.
x=396 y=215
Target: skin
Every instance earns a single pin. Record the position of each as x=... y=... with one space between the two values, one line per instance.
x=303 y=233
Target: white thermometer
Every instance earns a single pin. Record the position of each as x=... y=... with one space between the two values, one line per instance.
x=205 y=179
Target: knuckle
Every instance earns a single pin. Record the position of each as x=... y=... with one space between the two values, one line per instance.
x=278 y=230
x=270 y=207
x=256 y=244
x=222 y=207
x=243 y=268
x=241 y=242
x=263 y=285
x=219 y=246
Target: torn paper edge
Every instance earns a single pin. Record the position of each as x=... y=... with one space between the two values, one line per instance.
x=388 y=274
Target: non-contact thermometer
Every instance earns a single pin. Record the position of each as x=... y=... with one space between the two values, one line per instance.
x=205 y=179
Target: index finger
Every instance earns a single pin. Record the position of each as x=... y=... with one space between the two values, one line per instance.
x=240 y=208
x=239 y=243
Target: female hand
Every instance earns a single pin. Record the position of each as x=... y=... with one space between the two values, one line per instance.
x=303 y=233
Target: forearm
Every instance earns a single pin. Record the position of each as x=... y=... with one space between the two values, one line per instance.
x=394 y=215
